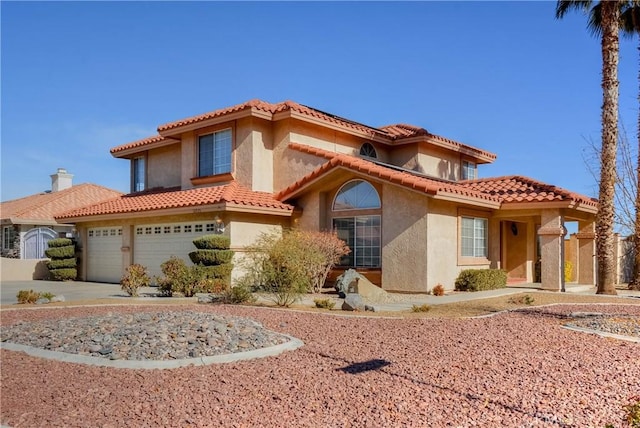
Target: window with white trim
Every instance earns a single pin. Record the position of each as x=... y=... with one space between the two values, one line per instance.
x=138 y=174
x=469 y=170
x=474 y=236
x=214 y=153
x=8 y=236
x=360 y=232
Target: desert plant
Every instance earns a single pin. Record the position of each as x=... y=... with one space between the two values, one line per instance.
x=175 y=273
x=420 y=308
x=324 y=303
x=47 y=295
x=481 y=279
x=326 y=251
x=135 y=277
x=521 y=300
x=632 y=411
x=438 y=290
x=238 y=294
x=27 y=296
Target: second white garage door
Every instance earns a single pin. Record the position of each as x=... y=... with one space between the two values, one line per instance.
x=154 y=244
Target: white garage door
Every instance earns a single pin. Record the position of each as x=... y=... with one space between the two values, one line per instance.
x=154 y=244
x=104 y=257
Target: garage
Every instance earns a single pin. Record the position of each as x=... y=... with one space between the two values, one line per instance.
x=154 y=244
x=104 y=255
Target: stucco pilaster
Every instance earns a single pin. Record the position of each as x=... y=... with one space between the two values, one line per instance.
x=586 y=269
x=551 y=235
x=494 y=244
x=188 y=160
x=127 y=245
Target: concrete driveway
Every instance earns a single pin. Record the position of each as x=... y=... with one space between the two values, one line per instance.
x=76 y=290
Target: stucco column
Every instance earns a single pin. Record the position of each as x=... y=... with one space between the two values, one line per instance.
x=551 y=240
x=586 y=261
x=127 y=246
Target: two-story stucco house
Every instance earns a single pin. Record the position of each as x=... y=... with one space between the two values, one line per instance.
x=409 y=203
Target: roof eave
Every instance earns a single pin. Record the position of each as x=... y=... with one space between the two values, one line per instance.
x=571 y=204
x=176 y=131
x=467 y=200
x=142 y=148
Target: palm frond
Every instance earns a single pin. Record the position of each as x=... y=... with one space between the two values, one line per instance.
x=564 y=6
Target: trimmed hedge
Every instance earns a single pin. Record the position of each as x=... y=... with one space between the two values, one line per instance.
x=61 y=263
x=67 y=274
x=481 y=279
x=59 y=242
x=66 y=252
x=211 y=257
x=212 y=242
x=218 y=272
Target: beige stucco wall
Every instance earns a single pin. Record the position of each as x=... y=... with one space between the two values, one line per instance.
x=404 y=240
x=253 y=154
x=23 y=270
x=439 y=163
x=164 y=167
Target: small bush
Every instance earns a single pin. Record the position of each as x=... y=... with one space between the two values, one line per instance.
x=65 y=274
x=47 y=295
x=212 y=242
x=61 y=263
x=27 y=296
x=135 y=277
x=521 y=300
x=481 y=279
x=211 y=257
x=632 y=411
x=421 y=308
x=324 y=303
x=438 y=290
x=239 y=294
x=59 y=242
x=65 y=252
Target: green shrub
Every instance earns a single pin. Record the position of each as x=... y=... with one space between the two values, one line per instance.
x=65 y=252
x=61 y=263
x=27 y=296
x=212 y=242
x=239 y=294
x=64 y=274
x=135 y=277
x=211 y=257
x=481 y=279
x=189 y=280
x=176 y=273
x=324 y=303
x=420 y=308
x=47 y=295
x=59 y=242
x=632 y=411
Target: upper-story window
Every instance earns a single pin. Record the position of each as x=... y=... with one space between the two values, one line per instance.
x=368 y=150
x=138 y=174
x=214 y=153
x=469 y=170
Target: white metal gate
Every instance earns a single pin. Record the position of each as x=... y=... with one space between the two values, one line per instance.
x=35 y=242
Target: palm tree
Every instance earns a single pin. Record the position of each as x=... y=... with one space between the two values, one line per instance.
x=609 y=26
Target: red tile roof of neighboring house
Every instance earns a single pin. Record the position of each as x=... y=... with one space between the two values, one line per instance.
x=404 y=178
x=232 y=193
x=45 y=206
x=523 y=189
x=391 y=133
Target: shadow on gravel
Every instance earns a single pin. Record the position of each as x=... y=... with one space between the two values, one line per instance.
x=364 y=366
x=380 y=365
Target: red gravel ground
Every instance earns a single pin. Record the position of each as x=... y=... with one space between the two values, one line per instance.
x=513 y=370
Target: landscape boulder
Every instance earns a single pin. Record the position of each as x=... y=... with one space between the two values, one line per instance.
x=353 y=302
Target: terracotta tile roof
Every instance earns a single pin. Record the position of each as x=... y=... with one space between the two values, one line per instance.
x=45 y=206
x=232 y=193
x=431 y=186
x=515 y=188
x=139 y=143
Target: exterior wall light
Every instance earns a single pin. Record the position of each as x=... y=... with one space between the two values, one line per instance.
x=219 y=226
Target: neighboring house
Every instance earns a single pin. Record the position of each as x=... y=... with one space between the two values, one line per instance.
x=28 y=223
x=409 y=203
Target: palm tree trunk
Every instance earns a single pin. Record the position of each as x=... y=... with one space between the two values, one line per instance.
x=605 y=250
x=635 y=282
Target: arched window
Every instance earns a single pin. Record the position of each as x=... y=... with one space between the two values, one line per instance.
x=361 y=232
x=368 y=150
x=356 y=195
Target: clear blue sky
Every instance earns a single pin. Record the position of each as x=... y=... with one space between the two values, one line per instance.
x=81 y=77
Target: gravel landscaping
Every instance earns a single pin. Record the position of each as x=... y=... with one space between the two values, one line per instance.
x=514 y=369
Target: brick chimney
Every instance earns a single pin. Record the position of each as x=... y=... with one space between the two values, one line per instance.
x=61 y=180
